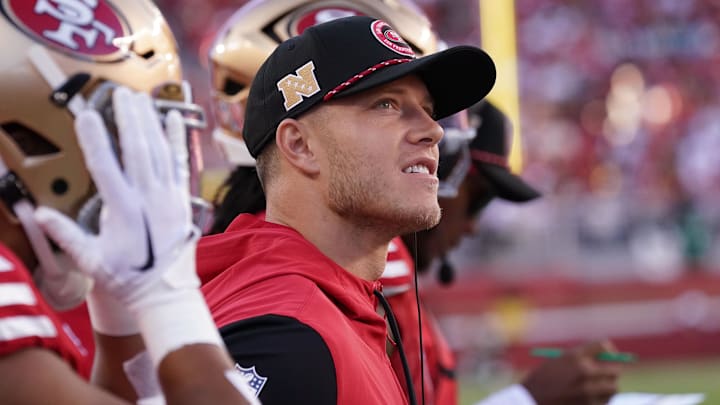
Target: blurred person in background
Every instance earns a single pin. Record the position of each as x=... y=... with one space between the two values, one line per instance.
x=125 y=236
x=473 y=171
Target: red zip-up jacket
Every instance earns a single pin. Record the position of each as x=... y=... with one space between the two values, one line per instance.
x=301 y=328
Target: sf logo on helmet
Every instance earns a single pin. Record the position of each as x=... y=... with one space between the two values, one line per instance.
x=80 y=28
x=319 y=15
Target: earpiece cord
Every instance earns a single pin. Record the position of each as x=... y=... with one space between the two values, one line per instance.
x=417 y=303
x=396 y=333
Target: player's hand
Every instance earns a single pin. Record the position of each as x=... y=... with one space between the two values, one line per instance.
x=576 y=378
x=146 y=220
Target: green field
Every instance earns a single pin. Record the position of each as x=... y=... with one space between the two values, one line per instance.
x=660 y=377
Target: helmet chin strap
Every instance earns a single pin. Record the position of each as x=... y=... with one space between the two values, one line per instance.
x=50 y=71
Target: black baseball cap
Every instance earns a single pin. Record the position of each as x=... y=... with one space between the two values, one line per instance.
x=350 y=55
x=489 y=150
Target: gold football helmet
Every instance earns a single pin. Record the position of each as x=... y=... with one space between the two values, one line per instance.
x=253 y=32
x=61 y=57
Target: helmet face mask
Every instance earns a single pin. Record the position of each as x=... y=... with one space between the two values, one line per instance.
x=166 y=96
x=61 y=57
x=455 y=161
x=256 y=29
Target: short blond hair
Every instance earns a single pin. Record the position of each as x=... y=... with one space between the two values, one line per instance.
x=267 y=165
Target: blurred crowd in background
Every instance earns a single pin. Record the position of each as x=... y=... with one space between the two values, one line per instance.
x=619 y=124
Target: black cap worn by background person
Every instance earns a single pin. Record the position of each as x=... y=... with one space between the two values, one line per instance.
x=347 y=56
x=489 y=150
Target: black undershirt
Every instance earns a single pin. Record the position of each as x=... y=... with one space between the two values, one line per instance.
x=292 y=356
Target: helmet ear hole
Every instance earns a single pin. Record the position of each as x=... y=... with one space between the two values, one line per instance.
x=60 y=186
x=28 y=141
x=148 y=55
x=232 y=87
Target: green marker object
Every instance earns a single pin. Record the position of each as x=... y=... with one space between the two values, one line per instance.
x=552 y=353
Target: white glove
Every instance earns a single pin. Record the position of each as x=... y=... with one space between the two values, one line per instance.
x=145 y=220
x=144 y=255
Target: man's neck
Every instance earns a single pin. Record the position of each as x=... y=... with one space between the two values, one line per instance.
x=361 y=251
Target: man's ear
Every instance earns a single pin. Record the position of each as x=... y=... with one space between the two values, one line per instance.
x=292 y=139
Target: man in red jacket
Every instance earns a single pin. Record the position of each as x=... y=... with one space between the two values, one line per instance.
x=342 y=122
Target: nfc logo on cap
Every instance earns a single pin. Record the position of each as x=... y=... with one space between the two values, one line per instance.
x=296 y=86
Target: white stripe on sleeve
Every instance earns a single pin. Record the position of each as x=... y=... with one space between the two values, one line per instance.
x=17 y=327
x=5 y=264
x=16 y=294
x=395 y=268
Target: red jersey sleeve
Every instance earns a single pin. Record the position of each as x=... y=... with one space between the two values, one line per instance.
x=399 y=269
x=26 y=320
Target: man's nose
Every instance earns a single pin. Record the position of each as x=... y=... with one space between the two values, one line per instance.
x=426 y=130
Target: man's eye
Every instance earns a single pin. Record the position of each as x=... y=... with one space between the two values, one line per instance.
x=386 y=104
